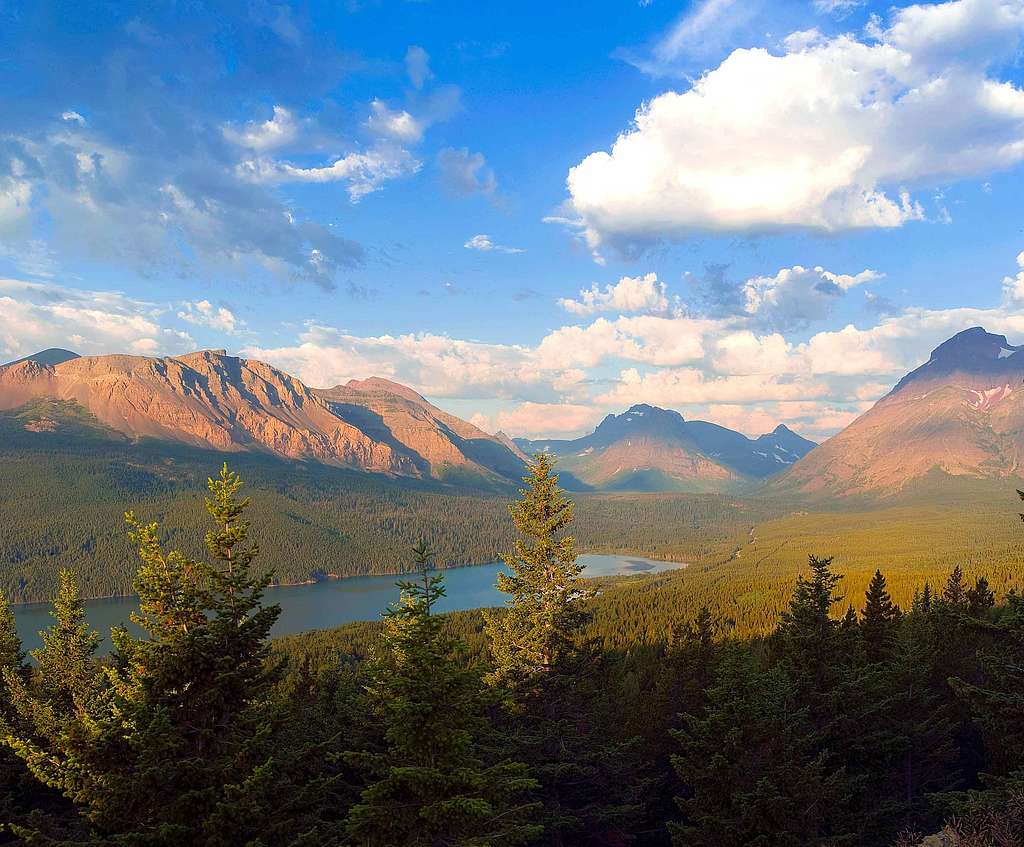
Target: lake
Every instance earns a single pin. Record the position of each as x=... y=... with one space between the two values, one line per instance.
x=333 y=602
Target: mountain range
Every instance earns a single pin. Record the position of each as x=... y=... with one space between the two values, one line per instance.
x=653 y=449
x=211 y=400
x=961 y=413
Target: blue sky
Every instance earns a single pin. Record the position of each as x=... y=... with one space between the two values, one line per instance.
x=535 y=214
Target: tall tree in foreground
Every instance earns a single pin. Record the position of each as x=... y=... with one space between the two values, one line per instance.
x=545 y=671
x=50 y=722
x=432 y=788
x=171 y=747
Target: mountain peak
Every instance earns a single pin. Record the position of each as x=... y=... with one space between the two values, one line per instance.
x=972 y=345
x=984 y=356
x=50 y=356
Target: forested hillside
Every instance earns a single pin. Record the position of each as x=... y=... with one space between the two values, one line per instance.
x=66 y=492
x=558 y=720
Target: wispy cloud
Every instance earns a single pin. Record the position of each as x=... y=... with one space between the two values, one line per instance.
x=483 y=243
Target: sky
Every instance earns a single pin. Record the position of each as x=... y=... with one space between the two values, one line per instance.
x=752 y=211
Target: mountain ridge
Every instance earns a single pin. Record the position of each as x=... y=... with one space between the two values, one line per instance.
x=960 y=413
x=650 y=448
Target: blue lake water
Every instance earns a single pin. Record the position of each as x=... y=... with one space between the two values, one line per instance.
x=334 y=602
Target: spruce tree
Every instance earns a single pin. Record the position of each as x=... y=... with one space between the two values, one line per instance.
x=981 y=598
x=879 y=624
x=52 y=728
x=750 y=766
x=431 y=786
x=538 y=635
x=168 y=744
x=955 y=592
x=547 y=673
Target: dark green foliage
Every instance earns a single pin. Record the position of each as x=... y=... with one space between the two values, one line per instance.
x=430 y=785
x=545 y=670
x=750 y=766
x=616 y=695
x=879 y=620
x=167 y=744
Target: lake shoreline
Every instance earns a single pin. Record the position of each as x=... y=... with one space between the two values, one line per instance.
x=331 y=577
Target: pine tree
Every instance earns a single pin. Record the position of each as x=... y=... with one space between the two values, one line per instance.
x=538 y=634
x=168 y=744
x=955 y=592
x=546 y=672
x=750 y=766
x=52 y=728
x=980 y=599
x=431 y=786
x=879 y=625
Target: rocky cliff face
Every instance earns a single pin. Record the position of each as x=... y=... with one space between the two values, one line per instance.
x=209 y=399
x=961 y=412
x=438 y=442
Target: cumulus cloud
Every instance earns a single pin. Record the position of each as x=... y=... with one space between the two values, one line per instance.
x=830 y=134
x=1013 y=286
x=464 y=173
x=483 y=242
x=396 y=124
x=435 y=365
x=796 y=297
x=205 y=313
x=544 y=420
x=34 y=316
x=279 y=130
x=73 y=117
x=629 y=294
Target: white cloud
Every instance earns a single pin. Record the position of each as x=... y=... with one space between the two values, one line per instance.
x=204 y=313
x=483 y=242
x=1013 y=286
x=15 y=204
x=838 y=8
x=73 y=117
x=682 y=386
x=703 y=30
x=364 y=172
x=399 y=125
x=644 y=338
x=826 y=136
x=279 y=130
x=34 y=316
x=417 y=66
x=545 y=420
x=465 y=173
x=435 y=365
x=629 y=294
x=798 y=296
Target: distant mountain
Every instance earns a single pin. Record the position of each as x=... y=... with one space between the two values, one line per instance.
x=50 y=356
x=212 y=400
x=438 y=443
x=961 y=413
x=648 y=448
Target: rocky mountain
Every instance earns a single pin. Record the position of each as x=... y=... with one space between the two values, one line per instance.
x=212 y=400
x=439 y=443
x=960 y=413
x=648 y=448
